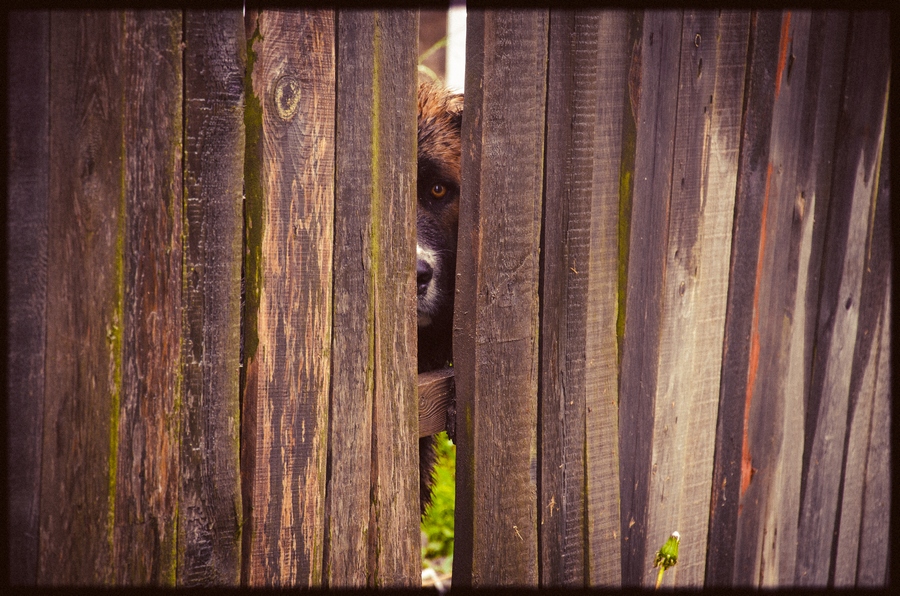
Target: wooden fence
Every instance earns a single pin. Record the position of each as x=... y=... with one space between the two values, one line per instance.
x=672 y=303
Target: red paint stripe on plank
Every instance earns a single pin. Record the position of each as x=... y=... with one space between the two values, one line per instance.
x=746 y=462
x=782 y=56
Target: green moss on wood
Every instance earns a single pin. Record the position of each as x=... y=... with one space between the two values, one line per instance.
x=253 y=203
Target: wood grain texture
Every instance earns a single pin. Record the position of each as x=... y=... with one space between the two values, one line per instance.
x=578 y=347
x=857 y=155
x=694 y=287
x=85 y=314
x=28 y=63
x=372 y=520
x=149 y=430
x=655 y=125
x=437 y=391
x=809 y=191
x=725 y=503
x=290 y=197
x=872 y=568
x=210 y=516
x=496 y=319
x=601 y=380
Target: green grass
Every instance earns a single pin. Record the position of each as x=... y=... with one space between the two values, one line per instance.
x=437 y=525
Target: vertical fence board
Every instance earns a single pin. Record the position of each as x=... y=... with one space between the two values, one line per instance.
x=28 y=82
x=84 y=299
x=350 y=458
x=496 y=323
x=854 y=191
x=655 y=124
x=290 y=199
x=209 y=523
x=601 y=382
x=874 y=548
x=694 y=286
x=566 y=247
x=809 y=193
x=725 y=499
x=579 y=465
x=372 y=499
x=865 y=384
x=149 y=409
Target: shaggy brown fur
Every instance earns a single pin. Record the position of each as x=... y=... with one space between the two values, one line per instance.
x=440 y=121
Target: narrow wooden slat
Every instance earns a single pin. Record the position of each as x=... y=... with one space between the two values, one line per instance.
x=290 y=200
x=579 y=447
x=496 y=318
x=601 y=380
x=85 y=318
x=437 y=391
x=694 y=287
x=874 y=533
x=149 y=408
x=861 y=123
x=651 y=91
x=209 y=523
x=725 y=500
x=565 y=247
x=28 y=174
x=814 y=133
x=873 y=544
x=372 y=525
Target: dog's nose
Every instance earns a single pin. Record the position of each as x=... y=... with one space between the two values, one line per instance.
x=424 y=272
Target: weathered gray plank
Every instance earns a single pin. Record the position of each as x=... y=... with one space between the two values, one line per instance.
x=85 y=315
x=373 y=523
x=813 y=128
x=210 y=515
x=496 y=322
x=571 y=119
x=694 y=286
x=874 y=544
x=861 y=122
x=653 y=84
x=28 y=121
x=290 y=200
x=873 y=565
x=601 y=379
x=149 y=424
x=765 y=28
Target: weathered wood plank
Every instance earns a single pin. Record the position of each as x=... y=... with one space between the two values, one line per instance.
x=601 y=379
x=85 y=315
x=579 y=292
x=290 y=200
x=566 y=231
x=28 y=63
x=873 y=543
x=861 y=122
x=437 y=391
x=496 y=319
x=694 y=286
x=651 y=97
x=210 y=515
x=765 y=28
x=809 y=191
x=149 y=408
x=373 y=523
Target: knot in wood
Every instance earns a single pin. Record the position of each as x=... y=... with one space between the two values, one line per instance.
x=287 y=96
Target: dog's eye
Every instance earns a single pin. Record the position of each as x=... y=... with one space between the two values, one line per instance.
x=438 y=191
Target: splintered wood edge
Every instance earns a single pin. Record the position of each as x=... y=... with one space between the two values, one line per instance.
x=437 y=390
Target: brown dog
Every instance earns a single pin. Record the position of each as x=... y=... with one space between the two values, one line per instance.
x=437 y=215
